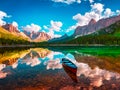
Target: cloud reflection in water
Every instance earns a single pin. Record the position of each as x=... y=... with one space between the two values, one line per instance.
x=52 y=60
x=96 y=75
x=2 y=74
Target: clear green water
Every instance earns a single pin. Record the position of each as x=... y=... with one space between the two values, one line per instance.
x=98 y=68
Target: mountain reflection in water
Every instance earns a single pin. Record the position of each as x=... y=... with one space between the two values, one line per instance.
x=40 y=68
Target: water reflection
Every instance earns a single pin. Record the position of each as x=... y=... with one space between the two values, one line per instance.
x=2 y=74
x=97 y=75
x=53 y=64
x=31 y=59
x=44 y=67
x=72 y=75
x=70 y=68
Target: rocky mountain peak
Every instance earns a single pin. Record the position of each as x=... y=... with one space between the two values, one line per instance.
x=37 y=36
x=92 y=21
x=10 y=28
x=93 y=26
x=42 y=37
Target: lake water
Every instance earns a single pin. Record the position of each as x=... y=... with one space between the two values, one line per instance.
x=98 y=68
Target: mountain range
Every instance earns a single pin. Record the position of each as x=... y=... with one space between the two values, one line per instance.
x=64 y=38
x=104 y=29
x=31 y=37
x=93 y=26
x=14 y=30
x=106 y=36
x=8 y=38
x=37 y=36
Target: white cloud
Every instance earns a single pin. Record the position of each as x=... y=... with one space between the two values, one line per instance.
x=2 y=15
x=2 y=22
x=51 y=33
x=54 y=64
x=45 y=27
x=91 y=1
x=52 y=54
x=2 y=66
x=3 y=74
x=97 y=8
x=67 y=1
x=15 y=65
x=97 y=12
x=118 y=12
x=82 y=20
x=32 y=28
x=108 y=13
x=97 y=82
x=78 y=1
x=15 y=24
x=57 y=35
x=55 y=26
x=96 y=75
x=71 y=28
x=31 y=61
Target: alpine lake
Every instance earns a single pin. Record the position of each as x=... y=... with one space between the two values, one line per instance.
x=41 y=68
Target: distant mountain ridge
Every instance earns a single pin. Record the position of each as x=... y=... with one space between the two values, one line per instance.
x=113 y=29
x=93 y=26
x=8 y=38
x=14 y=30
x=89 y=32
x=42 y=37
x=63 y=38
x=109 y=35
x=11 y=28
x=32 y=37
x=37 y=36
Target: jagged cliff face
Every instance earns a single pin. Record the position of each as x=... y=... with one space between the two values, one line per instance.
x=38 y=36
x=11 y=28
x=33 y=36
x=14 y=30
x=94 y=26
x=42 y=37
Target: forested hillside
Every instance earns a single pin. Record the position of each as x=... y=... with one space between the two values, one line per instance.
x=7 y=38
x=108 y=36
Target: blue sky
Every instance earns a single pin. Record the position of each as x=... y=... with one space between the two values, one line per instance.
x=56 y=17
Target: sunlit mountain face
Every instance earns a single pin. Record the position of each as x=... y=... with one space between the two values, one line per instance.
x=41 y=68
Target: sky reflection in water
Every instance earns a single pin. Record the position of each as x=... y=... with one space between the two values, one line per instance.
x=46 y=62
